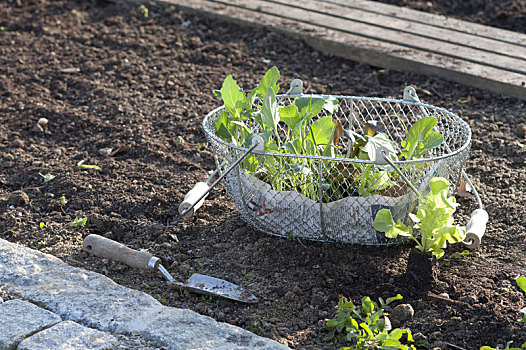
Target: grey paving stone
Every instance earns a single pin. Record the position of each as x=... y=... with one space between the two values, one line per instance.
x=98 y=302
x=69 y=335
x=19 y=319
x=180 y=329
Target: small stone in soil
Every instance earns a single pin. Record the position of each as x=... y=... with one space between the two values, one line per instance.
x=469 y=299
x=401 y=313
x=105 y=152
x=42 y=121
x=17 y=143
x=419 y=337
x=18 y=198
x=280 y=292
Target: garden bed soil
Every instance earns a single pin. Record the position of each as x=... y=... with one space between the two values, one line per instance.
x=107 y=77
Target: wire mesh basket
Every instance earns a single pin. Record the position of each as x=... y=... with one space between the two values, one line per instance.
x=335 y=197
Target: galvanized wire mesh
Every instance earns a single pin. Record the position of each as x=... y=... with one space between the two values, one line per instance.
x=337 y=198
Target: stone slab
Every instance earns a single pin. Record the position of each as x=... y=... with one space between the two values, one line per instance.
x=69 y=335
x=96 y=301
x=19 y=319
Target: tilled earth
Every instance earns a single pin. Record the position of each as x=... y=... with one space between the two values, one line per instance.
x=106 y=77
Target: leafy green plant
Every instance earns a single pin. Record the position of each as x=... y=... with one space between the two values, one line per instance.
x=433 y=220
x=78 y=223
x=421 y=138
x=144 y=11
x=48 y=177
x=455 y=255
x=366 y=327
x=306 y=126
x=285 y=129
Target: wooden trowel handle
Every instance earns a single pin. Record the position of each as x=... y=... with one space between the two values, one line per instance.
x=106 y=248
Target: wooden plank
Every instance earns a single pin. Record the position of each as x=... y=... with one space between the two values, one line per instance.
x=409 y=26
x=395 y=36
x=435 y=20
x=374 y=52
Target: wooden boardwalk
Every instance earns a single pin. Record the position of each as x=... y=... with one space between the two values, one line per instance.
x=390 y=37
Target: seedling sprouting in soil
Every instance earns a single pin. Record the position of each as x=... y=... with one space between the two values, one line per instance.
x=144 y=11
x=48 y=177
x=87 y=166
x=78 y=223
x=179 y=141
x=455 y=255
x=366 y=326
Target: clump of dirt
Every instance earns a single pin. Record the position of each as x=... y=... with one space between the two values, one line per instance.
x=105 y=77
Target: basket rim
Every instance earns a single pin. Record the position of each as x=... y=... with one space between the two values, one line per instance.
x=461 y=149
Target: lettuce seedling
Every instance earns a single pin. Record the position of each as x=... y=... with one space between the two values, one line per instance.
x=433 y=220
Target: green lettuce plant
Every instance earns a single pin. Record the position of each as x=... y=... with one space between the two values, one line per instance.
x=433 y=221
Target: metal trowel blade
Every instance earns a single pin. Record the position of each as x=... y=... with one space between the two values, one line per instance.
x=217 y=287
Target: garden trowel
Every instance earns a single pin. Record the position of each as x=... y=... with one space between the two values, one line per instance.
x=197 y=283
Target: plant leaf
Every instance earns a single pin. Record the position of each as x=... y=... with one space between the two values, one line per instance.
x=377 y=141
x=268 y=81
x=330 y=104
x=321 y=130
x=48 y=177
x=309 y=105
x=421 y=138
x=233 y=97
x=438 y=184
x=290 y=116
x=338 y=132
x=269 y=111
x=521 y=282
x=81 y=165
x=391 y=299
x=383 y=221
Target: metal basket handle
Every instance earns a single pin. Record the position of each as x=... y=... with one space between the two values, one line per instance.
x=476 y=226
x=195 y=198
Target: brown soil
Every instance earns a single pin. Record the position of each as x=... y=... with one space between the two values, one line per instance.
x=105 y=76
